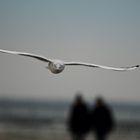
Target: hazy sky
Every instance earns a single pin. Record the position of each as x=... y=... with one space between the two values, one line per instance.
x=103 y=32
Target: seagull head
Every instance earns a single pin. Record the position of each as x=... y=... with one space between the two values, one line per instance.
x=56 y=66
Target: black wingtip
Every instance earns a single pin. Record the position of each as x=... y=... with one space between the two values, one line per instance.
x=137 y=66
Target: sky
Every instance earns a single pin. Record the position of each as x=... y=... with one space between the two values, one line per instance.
x=103 y=32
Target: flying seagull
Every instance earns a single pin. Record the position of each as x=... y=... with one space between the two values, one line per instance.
x=57 y=66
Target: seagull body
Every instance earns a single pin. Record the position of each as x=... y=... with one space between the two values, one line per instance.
x=57 y=66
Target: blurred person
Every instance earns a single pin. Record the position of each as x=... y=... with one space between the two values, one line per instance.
x=102 y=121
x=78 y=122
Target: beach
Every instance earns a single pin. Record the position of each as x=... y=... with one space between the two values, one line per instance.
x=47 y=121
x=35 y=136
x=123 y=131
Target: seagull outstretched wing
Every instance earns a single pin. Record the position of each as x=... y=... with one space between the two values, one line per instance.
x=57 y=66
x=100 y=66
x=42 y=58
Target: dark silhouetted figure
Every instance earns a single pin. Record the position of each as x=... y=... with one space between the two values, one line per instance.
x=102 y=121
x=78 y=122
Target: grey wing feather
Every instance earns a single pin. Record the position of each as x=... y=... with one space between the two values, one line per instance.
x=42 y=58
x=101 y=66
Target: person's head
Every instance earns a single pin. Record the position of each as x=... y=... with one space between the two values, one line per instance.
x=99 y=101
x=79 y=99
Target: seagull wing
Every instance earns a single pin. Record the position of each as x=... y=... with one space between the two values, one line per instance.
x=100 y=66
x=42 y=58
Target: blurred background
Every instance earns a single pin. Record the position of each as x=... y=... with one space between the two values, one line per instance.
x=34 y=103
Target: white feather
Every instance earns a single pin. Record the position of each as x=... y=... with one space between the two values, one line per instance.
x=57 y=66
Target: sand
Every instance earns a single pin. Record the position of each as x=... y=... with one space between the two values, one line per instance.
x=16 y=136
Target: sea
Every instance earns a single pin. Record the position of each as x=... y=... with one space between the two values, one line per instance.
x=34 y=119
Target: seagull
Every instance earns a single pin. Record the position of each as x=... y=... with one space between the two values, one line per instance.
x=57 y=66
